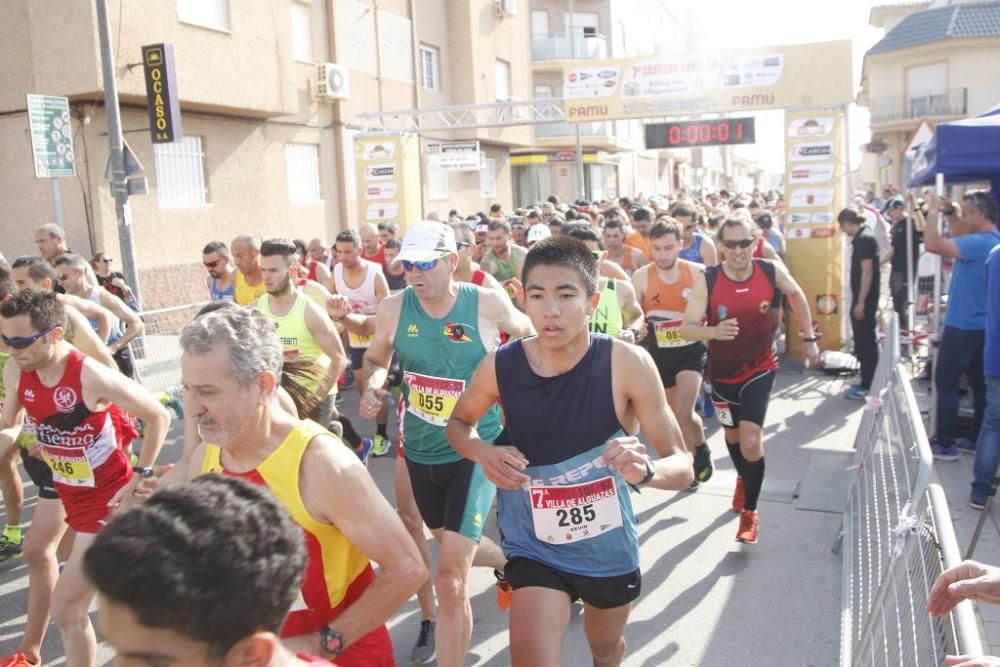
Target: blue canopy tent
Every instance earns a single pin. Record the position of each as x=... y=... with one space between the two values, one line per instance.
x=962 y=150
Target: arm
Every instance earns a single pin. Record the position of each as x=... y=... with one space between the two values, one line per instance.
x=969 y=580
x=381 y=286
x=709 y=253
x=638 y=257
x=338 y=490
x=328 y=339
x=933 y=241
x=339 y=308
x=133 y=324
x=379 y=355
x=82 y=337
x=612 y=270
x=12 y=414
x=800 y=308
x=866 y=285
x=631 y=312
x=93 y=312
x=322 y=273
x=697 y=309
x=499 y=308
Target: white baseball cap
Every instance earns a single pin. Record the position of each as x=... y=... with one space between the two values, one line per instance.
x=538 y=233
x=427 y=240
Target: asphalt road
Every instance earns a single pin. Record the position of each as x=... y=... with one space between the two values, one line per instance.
x=706 y=600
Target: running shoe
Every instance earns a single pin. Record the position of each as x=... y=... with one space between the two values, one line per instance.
x=347 y=379
x=749 y=527
x=382 y=445
x=944 y=452
x=856 y=394
x=977 y=504
x=505 y=593
x=966 y=446
x=739 y=497
x=703 y=465
x=19 y=659
x=709 y=407
x=424 y=651
x=9 y=549
x=365 y=450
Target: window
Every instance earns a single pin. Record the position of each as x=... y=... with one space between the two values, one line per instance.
x=396 y=45
x=302 y=169
x=437 y=183
x=180 y=173
x=539 y=23
x=502 y=80
x=488 y=179
x=543 y=92
x=354 y=23
x=430 y=71
x=301 y=32
x=206 y=13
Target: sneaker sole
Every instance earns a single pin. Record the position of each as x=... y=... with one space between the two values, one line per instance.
x=946 y=457
x=746 y=541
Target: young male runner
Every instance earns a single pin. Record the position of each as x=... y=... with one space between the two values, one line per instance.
x=440 y=330
x=730 y=307
x=664 y=289
x=627 y=257
x=201 y=575
x=75 y=405
x=221 y=279
x=504 y=258
x=572 y=401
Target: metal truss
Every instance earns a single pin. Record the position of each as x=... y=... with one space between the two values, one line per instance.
x=462 y=117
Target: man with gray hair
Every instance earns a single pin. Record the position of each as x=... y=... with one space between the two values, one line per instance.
x=50 y=239
x=230 y=367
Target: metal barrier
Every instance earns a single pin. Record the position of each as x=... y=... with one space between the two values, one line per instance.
x=158 y=352
x=897 y=535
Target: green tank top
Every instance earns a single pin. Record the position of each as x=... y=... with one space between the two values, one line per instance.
x=506 y=270
x=607 y=318
x=437 y=358
x=296 y=339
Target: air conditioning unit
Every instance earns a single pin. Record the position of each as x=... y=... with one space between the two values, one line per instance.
x=333 y=82
x=506 y=8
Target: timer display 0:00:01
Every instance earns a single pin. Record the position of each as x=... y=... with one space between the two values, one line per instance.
x=702 y=134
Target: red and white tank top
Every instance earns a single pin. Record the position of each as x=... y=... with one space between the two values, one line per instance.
x=362 y=298
x=750 y=302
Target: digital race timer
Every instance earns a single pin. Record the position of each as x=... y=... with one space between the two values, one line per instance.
x=689 y=133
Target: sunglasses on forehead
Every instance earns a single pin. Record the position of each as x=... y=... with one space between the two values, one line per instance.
x=24 y=342
x=733 y=245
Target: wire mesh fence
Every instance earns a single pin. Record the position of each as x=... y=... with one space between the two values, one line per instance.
x=158 y=352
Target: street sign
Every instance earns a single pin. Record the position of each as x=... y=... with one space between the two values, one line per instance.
x=457 y=156
x=51 y=136
x=161 y=93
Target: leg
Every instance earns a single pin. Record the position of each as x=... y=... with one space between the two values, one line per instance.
x=48 y=525
x=865 y=348
x=406 y=506
x=538 y=621
x=454 y=628
x=11 y=486
x=977 y=381
x=948 y=371
x=604 y=628
x=988 y=444
x=681 y=398
x=70 y=601
x=752 y=449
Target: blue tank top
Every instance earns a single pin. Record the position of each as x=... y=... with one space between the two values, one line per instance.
x=222 y=295
x=577 y=515
x=693 y=253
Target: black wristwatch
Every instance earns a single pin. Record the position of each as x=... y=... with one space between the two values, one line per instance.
x=143 y=473
x=650 y=472
x=331 y=641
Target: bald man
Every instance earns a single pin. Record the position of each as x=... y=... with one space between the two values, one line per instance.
x=51 y=241
x=371 y=248
x=249 y=279
x=319 y=251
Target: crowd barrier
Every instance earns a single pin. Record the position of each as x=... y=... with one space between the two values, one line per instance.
x=157 y=352
x=896 y=535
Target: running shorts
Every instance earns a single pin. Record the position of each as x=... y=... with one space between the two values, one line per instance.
x=671 y=361
x=743 y=401
x=455 y=496
x=600 y=592
x=40 y=474
x=357 y=356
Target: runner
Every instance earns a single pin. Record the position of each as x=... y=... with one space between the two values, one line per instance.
x=440 y=330
x=230 y=365
x=642 y=219
x=364 y=285
x=310 y=268
x=627 y=257
x=395 y=276
x=76 y=406
x=664 y=289
x=303 y=327
x=50 y=239
x=587 y=234
x=36 y=272
x=504 y=258
x=736 y=298
x=697 y=247
x=319 y=251
x=570 y=400
x=75 y=277
x=369 y=246
x=249 y=283
x=258 y=573
x=221 y=279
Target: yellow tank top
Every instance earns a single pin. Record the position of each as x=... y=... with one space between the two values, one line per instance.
x=296 y=339
x=245 y=293
x=336 y=572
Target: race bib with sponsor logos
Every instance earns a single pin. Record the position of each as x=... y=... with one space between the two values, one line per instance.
x=69 y=465
x=572 y=513
x=357 y=341
x=432 y=398
x=668 y=334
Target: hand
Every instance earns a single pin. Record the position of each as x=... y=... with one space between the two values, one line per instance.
x=627 y=457
x=515 y=290
x=36 y=452
x=972 y=661
x=811 y=352
x=338 y=306
x=968 y=581
x=727 y=329
x=627 y=335
x=136 y=491
x=503 y=466
x=858 y=312
x=371 y=402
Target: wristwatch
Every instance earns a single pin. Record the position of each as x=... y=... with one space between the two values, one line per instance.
x=650 y=471
x=331 y=641
x=143 y=473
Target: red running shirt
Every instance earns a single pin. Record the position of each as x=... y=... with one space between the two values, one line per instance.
x=83 y=448
x=750 y=301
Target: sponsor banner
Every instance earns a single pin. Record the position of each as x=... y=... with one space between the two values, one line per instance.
x=773 y=77
x=387 y=169
x=814 y=173
x=458 y=156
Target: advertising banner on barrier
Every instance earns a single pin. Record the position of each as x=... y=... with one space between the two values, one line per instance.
x=814 y=193
x=791 y=76
x=388 y=177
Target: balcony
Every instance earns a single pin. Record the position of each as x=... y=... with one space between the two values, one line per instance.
x=559 y=130
x=923 y=104
x=561 y=46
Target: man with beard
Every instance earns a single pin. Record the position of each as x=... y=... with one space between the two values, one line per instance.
x=625 y=256
x=221 y=280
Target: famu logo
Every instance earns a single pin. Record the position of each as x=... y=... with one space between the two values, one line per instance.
x=456 y=332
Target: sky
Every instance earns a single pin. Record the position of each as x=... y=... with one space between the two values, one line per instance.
x=733 y=25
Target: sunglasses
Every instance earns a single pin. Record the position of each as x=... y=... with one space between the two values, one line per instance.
x=733 y=245
x=212 y=265
x=25 y=342
x=419 y=266
x=106 y=260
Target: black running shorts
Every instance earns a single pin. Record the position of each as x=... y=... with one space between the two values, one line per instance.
x=745 y=401
x=454 y=496
x=40 y=474
x=671 y=361
x=600 y=592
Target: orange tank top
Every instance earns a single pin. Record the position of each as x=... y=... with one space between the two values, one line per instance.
x=664 y=305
